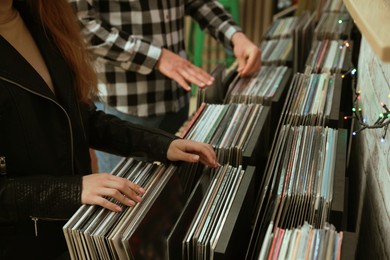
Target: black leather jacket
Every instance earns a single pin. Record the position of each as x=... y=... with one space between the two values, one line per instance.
x=45 y=139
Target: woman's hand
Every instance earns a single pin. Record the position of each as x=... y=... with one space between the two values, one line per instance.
x=99 y=187
x=191 y=151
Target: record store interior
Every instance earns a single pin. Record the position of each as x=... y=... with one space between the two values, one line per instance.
x=307 y=143
x=303 y=147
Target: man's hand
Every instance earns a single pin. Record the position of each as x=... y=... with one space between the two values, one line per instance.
x=247 y=53
x=182 y=71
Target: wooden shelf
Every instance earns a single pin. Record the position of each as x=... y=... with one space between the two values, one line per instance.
x=373 y=19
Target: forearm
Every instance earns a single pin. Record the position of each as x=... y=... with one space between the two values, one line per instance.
x=111 y=44
x=212 y=17
x=110 y=134
x=39 y=196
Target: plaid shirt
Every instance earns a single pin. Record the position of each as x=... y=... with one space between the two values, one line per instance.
x=126 y=38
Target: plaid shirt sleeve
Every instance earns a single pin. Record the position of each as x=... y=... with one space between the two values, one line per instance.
x=212 y=17
x=114 y=45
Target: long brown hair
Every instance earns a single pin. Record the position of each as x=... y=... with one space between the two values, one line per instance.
x=58 y=17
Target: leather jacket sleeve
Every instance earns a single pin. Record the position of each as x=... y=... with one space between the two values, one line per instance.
x=47 y=197
x=57 y=197
x=111 y=134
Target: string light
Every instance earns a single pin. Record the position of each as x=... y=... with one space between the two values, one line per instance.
x=352 y=71
x=345 y=44
x=383 y=120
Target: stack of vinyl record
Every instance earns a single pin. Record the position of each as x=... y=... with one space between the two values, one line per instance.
x=227 y=127
x=313 y=99
x=304 y=242
x=282 y=28
x=298 y=183
x=260 y=88
x=334 y=26
x=205 y=230
x=277 y=51
x=136 y=232
x=331 y=56
x=303 y=177
x=303 y=36
x=288 y=40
